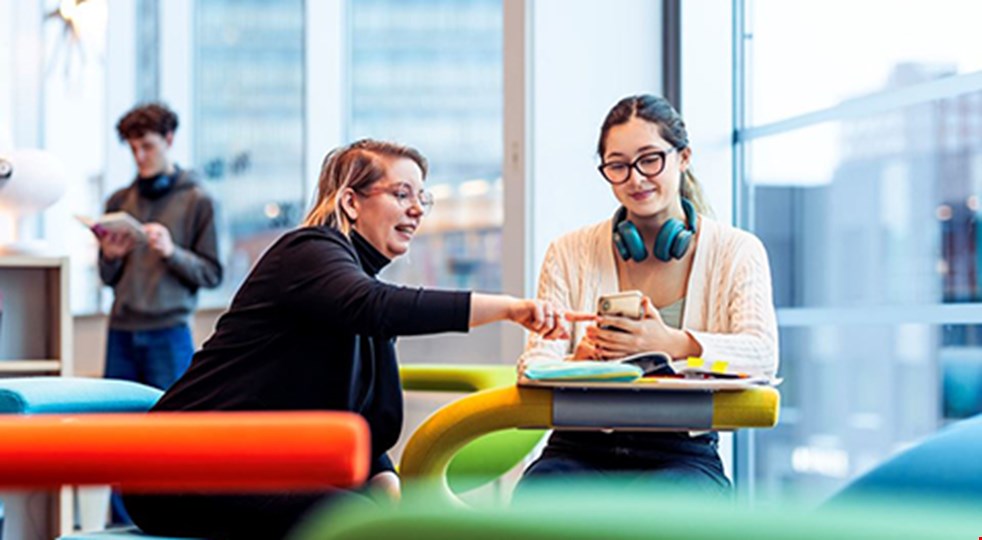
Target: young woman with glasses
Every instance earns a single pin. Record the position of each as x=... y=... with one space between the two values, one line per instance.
x=706 y=287
x=312 y=328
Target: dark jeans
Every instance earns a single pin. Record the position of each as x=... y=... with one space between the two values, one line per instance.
x=227 y=517
x=672 y=460
x=154 y=357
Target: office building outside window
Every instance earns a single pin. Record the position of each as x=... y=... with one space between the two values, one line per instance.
x=429 y=74
x=248 y=120
x=862 y=175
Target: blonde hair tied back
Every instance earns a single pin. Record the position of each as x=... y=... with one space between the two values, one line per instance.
x=356 y=166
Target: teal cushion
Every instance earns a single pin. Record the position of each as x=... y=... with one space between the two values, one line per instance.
x=70 y=395
x=582 y=370
x=124 y=533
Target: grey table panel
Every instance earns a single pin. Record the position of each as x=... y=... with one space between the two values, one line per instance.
x=619 y=409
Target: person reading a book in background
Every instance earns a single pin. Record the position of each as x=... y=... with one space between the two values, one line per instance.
x=313 y=328
x=706 y=287
x=155 y=276
x=155 y=273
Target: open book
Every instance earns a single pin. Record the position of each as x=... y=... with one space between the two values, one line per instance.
x=118 y=222
x=651 y=363
x=656 y=363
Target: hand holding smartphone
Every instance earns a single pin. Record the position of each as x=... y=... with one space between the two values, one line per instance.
x=628 y=304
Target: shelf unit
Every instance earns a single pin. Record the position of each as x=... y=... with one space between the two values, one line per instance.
x=36 y=340
x=36 y=320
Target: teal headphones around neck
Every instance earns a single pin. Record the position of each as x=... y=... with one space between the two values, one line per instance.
x=672 y=241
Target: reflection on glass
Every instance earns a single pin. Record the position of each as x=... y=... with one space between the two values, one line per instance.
x=875 y=211
x=812 y=55
x=147 y=50
x=853 y=396
x=428 y=74
x=871 y=226
x=248 y=125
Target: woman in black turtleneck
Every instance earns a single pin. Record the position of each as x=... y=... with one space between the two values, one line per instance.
x=312 y=328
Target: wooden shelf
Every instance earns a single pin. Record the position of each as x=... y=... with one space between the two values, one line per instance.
x=29 y=261
x=36 y=332
x=36 y=341
x=30 y=366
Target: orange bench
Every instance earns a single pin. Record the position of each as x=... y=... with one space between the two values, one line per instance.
x=160 y=452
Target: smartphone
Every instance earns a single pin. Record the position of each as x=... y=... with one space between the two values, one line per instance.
x=623 y=304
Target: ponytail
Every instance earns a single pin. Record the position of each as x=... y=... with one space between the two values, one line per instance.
x=690 y=188
x=356 y=166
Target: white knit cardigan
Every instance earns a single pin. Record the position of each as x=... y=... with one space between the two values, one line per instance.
x=728 y=304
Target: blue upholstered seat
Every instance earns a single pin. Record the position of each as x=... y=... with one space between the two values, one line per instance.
x=71 y=395
x=945 y=465
x=124 y=533
x=77 y=395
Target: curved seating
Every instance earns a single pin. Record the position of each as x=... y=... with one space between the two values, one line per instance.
x=488 y=457
x=428 y=455
x=945 y=465
x=483 y=461
x=31 y=514
x=164 y=452
x=456 y=378
x=433 y=445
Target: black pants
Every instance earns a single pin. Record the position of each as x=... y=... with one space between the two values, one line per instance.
x=224 y=517
x=663 y=459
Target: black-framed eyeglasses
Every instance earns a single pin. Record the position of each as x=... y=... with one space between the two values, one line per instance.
x=404 y=195
x=648 y=164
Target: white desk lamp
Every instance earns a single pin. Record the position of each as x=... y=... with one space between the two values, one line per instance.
x=30 y=181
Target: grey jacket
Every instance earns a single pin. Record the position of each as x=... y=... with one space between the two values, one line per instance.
x=152 y=292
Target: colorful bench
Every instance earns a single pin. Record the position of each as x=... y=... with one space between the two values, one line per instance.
x=62 y=431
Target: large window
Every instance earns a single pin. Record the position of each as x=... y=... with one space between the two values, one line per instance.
x=234 y=73
x=248 y=123
x=429 y=74
x=861 y=172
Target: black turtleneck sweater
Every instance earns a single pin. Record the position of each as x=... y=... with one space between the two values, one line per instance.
x=312 y=328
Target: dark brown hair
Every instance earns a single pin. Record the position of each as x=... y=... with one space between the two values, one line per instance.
x=148 y=118
x=356 y=166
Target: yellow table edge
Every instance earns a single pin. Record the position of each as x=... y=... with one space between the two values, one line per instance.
x=431 y=447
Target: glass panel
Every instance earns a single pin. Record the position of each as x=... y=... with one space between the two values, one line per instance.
x=812 y=55
x=248 y=125
x=147 y=50
x=871 y=226
x=428 y=74
x=856 y=394
x=876 y=211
